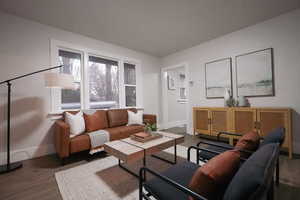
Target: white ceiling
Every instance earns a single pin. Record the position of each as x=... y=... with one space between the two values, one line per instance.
x=157 y=27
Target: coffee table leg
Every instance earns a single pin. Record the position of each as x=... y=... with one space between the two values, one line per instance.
x=169 y=161
x=130 y=171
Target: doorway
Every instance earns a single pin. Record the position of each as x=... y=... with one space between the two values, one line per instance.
x=175 y=101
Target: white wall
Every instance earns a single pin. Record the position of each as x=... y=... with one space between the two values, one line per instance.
x=176 y=110
x=282 y=33
x=25 y=47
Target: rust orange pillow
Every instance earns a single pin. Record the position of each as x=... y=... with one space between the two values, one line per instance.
x=210 y=179
x=95 y=121
x=250 y=141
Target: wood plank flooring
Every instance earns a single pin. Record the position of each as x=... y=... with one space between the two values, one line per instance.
x=36 y=181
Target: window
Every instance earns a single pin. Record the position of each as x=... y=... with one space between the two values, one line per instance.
x=103 y=83
x=70 y=99
x=130 y=84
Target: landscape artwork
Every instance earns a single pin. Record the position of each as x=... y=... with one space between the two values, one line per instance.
x=218 y=78
x=255 y=74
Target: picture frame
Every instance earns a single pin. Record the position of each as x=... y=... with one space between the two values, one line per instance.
x=171 y=83
x=255 y=74
x=218 y=77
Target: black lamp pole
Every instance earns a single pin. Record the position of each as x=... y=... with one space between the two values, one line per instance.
x=13 y=166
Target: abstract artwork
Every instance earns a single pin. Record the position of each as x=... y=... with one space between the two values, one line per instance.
x=254 y=73
x=218 y=78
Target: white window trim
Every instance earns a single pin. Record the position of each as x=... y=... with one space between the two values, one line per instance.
x=55 y=45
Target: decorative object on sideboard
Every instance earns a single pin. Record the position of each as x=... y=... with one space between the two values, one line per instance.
x=229 y=101
x=243 y=102
x=218 y=76
x=52 y=80
x=254 y=74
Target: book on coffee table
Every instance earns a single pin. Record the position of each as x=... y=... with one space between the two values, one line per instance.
x=145 y=137
x=142 y=135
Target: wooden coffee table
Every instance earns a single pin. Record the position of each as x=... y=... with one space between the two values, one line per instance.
x=128 y=150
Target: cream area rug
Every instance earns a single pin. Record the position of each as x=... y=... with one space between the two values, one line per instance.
x=102 y=179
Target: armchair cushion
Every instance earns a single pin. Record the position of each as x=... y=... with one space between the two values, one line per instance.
x=250 y=141
x=254 y=175
x=210 y=179
x=277 y=135
x=180 y=173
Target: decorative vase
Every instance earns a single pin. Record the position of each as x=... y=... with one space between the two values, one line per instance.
x=226 y=97
x=242 y=101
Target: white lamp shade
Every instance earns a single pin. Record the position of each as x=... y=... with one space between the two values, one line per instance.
x=59 y=80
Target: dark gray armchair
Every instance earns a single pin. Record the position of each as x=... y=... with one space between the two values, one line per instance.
x=254 y=179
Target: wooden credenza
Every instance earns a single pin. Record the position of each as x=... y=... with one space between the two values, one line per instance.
x=211 y=120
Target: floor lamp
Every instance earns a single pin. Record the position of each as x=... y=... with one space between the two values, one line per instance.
x=51 y=80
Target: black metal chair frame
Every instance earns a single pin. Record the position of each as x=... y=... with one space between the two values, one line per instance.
x=143 y=170
x=230 y=148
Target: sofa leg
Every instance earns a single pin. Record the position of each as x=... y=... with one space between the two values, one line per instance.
x=63 y=161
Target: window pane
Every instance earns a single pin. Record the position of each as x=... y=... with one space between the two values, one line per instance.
x=129 y=74
x=104 y=83
x=130 y=92
x=70 y=99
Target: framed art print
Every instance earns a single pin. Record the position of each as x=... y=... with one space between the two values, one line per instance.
x=218 y=77
x=254 y=74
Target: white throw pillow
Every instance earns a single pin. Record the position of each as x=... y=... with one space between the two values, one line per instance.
x=135 y=118
x=76 y=123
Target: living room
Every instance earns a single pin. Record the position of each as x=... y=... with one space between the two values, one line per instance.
x=169 y=70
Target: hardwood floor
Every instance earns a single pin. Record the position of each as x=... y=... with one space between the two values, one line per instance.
x=36 y=181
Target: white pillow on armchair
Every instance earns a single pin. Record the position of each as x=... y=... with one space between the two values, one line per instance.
x=135 y=118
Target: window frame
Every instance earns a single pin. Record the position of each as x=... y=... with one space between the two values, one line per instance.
x=56 y=45
x=130 y=85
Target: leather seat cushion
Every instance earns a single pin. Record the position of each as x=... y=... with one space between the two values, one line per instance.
x=80 y=143
x=122 y=132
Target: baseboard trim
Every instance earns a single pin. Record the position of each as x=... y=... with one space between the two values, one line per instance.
x=28 y=153
x=173 y=124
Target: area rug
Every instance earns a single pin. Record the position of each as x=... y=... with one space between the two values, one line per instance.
x=102 y=179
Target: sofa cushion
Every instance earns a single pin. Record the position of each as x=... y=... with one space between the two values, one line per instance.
x=122 y=132
x=95 y=121
x=80 y=143
x=117 y=117
x=253 y=176
x=180 y=173
x=127 y=131
x=115 y=133
x=277 y=135
x=210 y=179
x=250 y=141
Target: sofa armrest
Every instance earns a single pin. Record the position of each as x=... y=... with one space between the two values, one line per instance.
x=149 y=119
x=62 y=138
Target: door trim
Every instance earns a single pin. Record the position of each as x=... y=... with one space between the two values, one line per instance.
x=164 y=95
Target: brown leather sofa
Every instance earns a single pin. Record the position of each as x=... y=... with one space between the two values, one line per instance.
x=114 y=121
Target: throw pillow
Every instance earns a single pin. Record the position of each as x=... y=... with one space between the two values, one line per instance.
x=250 y=141
x=95 y=121
x=210 y=179
x=135 y=118
x=76 y=123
